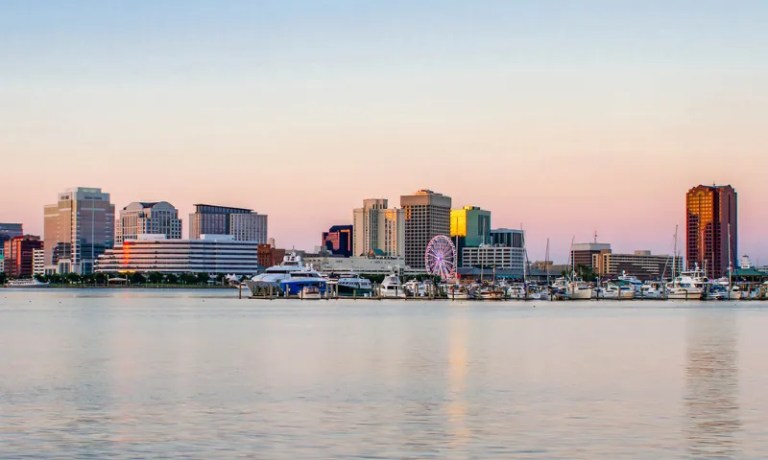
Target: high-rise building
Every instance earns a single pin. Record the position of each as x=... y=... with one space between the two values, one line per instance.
x=471 y=224
x=248 y=227
x=508 y=237
x=338 y=240
x=8 y=231
x=711 y=229
x=427 y=214
x=243 y=224
x=378 y=230
x=148 y=218
x=470 y=227
x=585 y=254
x=19 y=255
x=77 y=228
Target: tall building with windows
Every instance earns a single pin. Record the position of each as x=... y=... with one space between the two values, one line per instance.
x=427 y=214
x=19 y=254
x=243 y=224
x=378 y=230
x=711 y=229
x=585 y=254
x=470 y=227
x=148 y=218
x=77 y=229
x=338 y=240
x=8 y=231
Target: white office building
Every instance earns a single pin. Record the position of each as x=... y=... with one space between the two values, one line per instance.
x=154 y=253
x=148 y=218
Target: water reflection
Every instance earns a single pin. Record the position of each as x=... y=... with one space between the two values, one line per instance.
x=457 y=362
x=711 y=400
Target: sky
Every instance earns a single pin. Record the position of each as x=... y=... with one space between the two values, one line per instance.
x=565 y=118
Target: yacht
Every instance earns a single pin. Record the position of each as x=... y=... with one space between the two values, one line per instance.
x=632 y=281
x=26 y=282
x=415 y=288
x=459 y=292
x=652 y=290
x=573 y=289
x=391 y=288
x=616 y=291
x=287 y=279
x=490 y=292
x=353 y=285
x=517 y=291
x=687 y=286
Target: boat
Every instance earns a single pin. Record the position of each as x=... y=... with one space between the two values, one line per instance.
x=415 y=288
x=687 y=286
x=632 y=281
x=354 y=285
x=459 y=292
x=310 y=292
x=391 y=287
x=652 y=290
x=616 y=291
x=490 y=292
x=517 y=291
x=287 y=279
x=572 y=289
x=26 y=282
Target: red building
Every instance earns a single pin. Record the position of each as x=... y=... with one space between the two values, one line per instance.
x=269 y=256
x=19 y=255
x=711 y=229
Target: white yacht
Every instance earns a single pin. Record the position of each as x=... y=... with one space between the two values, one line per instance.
x=617 y=291
x=26 y=282
x=458 y=292
x=573 y=289
x=391 y=288
x=287 y=279
x=652 y=290
x=353 y=284
x=687 y=286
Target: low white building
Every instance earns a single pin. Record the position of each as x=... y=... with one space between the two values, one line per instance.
x=155 y=253
x=361 y=265
x=499 y=257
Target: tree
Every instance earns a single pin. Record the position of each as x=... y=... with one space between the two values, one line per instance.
x=136 y=278
x=155 y=277
x=171 y=278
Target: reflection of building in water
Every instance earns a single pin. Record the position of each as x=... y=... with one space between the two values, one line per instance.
x=711 y=401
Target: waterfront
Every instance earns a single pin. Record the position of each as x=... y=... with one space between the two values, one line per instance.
x=199 y=374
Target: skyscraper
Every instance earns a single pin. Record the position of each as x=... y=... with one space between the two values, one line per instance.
x=427 y=214
x=338 y=240
x=79 y=227
x=143 y=218
x=711 y=229
x=378 y=230
x=19 y=255
x=243 y=224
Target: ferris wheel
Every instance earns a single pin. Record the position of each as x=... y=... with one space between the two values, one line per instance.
x=440 y=257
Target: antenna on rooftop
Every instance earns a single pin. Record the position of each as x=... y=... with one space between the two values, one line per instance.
x=595 y=236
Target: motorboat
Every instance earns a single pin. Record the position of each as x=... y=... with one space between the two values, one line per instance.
x=687 y=286
x=458 y=292
x=490 y=292
x=287 y=279
x=354 y=285
x=391 y=287
x=616 y=291
x=310 y=292
x=652 y=290
x=415 y=288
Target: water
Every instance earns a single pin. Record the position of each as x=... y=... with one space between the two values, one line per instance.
x=200 y=374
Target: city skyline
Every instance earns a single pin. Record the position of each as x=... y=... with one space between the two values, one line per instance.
x=567 y=119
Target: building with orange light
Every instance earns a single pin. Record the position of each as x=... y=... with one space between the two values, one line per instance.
x=19 y=255
x=711 y=229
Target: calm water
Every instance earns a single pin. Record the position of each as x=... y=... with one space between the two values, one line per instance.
x=201 y=374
